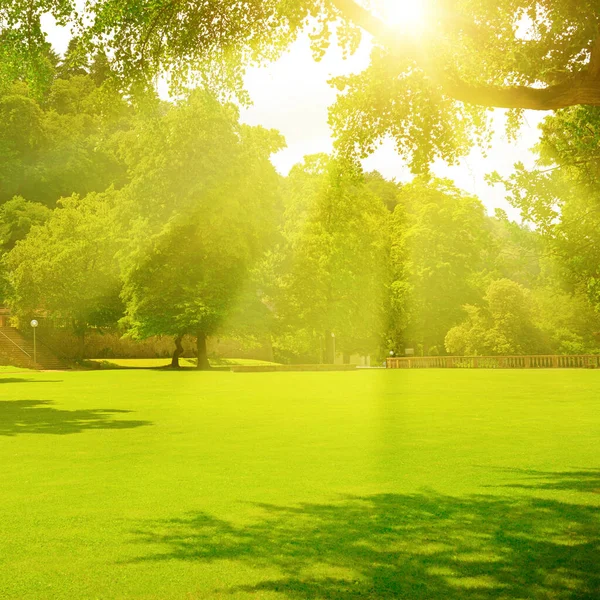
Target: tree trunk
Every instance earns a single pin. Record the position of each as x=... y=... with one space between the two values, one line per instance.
x=177 y=352
x=346 y=358
x=203 y=364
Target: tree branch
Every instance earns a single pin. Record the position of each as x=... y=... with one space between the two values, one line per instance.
x=352 y=11
x=581 y=88
x=594 y=64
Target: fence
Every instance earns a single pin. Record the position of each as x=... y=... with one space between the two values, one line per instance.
x=579 y=361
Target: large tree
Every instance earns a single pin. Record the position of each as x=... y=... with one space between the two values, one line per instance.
x=201 y=202
x=62 y=143
x=504 y=326
x=425 y=87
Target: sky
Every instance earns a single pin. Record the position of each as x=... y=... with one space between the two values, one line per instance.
x=293 y=96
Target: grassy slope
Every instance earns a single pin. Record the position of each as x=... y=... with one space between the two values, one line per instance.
x=145 y=363
x=419 y=485
x=12 y=369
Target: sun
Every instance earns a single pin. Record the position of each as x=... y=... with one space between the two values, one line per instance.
x=409 y=15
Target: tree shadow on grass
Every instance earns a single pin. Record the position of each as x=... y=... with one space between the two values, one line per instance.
x=419 y=547
x=587 y=480
x=38 y=416
x=23 y=380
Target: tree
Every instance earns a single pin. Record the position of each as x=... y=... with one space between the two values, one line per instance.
x=21 y=140
x=561 y=197
x=17 y=217
x=63 y=143
x=504 y=326
x=388 y=191
x=185 y=283
x=428 y=89
x=75 y=61
x=566 y=318
x=66 y=268
x=202 y=196
x=332 y=263
x=515 y=252
x=439 y=243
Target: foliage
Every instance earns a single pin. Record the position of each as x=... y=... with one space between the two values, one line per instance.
x=66 y=267
x=388 y=191
x=17 y=217
x=515 y=320
x=504 y=326
x=567 y=320
x=201 y=194
x=332 y=264
x=439 y=241
x=61 y=145
x=562 y=197
x=427 y=89
x=177 y=212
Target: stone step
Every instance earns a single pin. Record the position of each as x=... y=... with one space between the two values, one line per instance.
x=17 y=349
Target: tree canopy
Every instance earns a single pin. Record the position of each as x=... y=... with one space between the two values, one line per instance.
x=330 y=269
x=427 y=88
x=202 y=196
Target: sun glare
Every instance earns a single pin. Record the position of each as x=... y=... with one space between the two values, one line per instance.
x=404 y=14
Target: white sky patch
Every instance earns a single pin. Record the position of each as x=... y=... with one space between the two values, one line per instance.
x=293 y=96
x=409 y=16
x=58 y=36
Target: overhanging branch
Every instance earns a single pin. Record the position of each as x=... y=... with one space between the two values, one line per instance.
x=582 y=88
x=579 y=90
x=352 y=11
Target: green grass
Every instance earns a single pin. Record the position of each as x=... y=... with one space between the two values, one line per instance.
x=149 y=363
x=11 y=369
x=457 y=485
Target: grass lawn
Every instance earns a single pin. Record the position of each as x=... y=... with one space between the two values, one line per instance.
x=418 y=485
x=145 y=363
x=11 y=369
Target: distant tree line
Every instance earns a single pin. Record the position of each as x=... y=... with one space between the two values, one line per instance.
x=128 y=213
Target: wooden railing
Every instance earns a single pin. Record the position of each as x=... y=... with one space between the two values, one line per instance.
x=579 y=361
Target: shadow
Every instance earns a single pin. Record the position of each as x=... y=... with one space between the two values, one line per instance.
x=106 y=365
x=23 y=380
x=417 y=547
x=37 y=416
x=587 y=480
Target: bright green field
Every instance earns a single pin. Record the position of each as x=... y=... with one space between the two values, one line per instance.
x=151 y=363
x=373 y=484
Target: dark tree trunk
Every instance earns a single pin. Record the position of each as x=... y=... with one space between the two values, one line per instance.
x=203 y=364
x=177 y=352
x=346 y=358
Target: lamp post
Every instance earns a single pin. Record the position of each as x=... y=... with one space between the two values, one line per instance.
x=34 y=324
